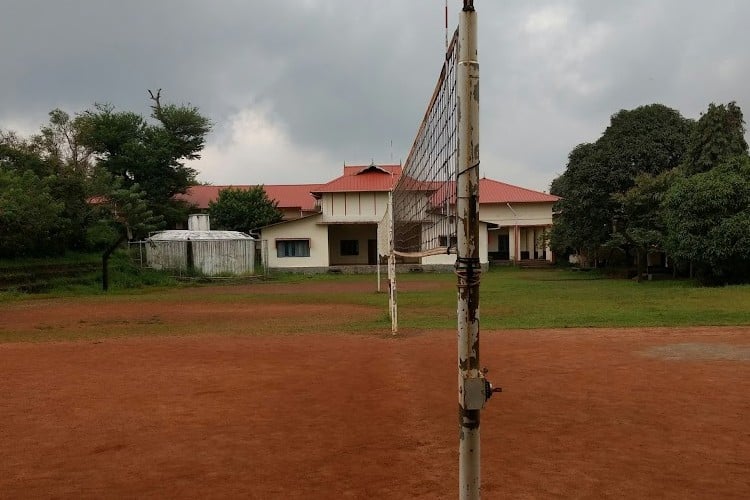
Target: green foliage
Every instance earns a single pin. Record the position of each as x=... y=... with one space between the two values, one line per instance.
x=88 y=181
x=584 y=218
x=60 y=144
x=718 y=136
x=646 y=140
x=708 y=216
x=29 y=214
x=639 y=221
x=243 y=209
x=150 y=155
x=74 y=274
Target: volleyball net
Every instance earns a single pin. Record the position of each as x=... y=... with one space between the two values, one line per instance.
x=424 y=198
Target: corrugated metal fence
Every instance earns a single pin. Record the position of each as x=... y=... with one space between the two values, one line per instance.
x=207 y=257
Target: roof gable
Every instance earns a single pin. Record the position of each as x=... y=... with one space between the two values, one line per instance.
x=377 y=178
x=360 y=169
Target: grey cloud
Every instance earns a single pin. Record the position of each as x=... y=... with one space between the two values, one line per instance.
x=346 y=78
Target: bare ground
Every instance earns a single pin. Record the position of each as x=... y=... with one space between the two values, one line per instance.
x=585 y=413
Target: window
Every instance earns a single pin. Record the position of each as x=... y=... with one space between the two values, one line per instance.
x=292 y=248
x=349 y=247
x=443 y=241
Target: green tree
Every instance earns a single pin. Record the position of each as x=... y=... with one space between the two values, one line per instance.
x=707 y=216
x=69 y=163
x=152 y=155
x=707 y=209
x=243 y=209
x=583 y=221
x=61 y=144
x=29 y=214
x=141 y=167
x=640 y=221
x=121 y=213
x=718 y=136
x=647 y=140
x=62 y=164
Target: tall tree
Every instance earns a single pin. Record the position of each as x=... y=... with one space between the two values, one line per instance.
x=707 y=209
x=640 y=220
x=583 y=221
x=23 y=159
x=707 y=217
x=646 y=140
x=29 y=214
x=152 y=155
x=121 y=214
x=243 y=209
x=146 y=164
x=718 y=136
x=60 y=143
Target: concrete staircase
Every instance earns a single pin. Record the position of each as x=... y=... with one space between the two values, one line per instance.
x=535 y=264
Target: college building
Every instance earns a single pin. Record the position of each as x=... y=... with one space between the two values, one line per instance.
x=335 y=224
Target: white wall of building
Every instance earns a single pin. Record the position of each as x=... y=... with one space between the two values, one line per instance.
x=526 y=214
x=354 y=206
x=450 y=259
x=308 y=228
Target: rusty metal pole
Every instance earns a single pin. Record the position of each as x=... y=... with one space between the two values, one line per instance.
x=473 y=392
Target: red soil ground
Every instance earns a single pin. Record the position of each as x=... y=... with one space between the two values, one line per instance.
x=584 y=413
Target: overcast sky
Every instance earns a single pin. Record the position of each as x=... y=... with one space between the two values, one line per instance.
x=296 y=88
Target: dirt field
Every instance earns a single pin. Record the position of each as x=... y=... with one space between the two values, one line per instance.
x=627 y=413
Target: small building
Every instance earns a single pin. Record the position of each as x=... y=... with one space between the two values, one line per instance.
x=201 y=250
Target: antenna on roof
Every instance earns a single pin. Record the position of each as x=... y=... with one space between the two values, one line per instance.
x=391 y=160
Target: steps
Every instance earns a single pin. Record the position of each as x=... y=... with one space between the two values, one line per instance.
x=535 y=264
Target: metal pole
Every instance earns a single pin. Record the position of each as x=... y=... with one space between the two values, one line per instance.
x=473 y=390
x=377 y=257
x=393 y=306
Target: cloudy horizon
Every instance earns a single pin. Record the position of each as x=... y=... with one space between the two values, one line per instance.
x=297 y=88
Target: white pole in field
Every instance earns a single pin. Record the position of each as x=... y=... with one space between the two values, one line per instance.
x=473 y=389
x=392 y=304
x=377 y=262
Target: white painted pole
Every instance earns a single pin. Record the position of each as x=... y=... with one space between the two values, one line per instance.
x=392 y=304
x=377 y=257
x=472 y=390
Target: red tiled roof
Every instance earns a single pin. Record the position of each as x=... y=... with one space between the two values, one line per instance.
x=491 y=191
x=365 y=178
x=499 y=192
x=362 y=178
x=287 y=196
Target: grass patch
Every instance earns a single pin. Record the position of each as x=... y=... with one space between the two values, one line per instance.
x=510 y=298
x=515 y=298
x=74 y=274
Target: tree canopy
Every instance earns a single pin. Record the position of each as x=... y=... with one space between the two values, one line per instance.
x=91 y=181
x=243 y=209
x=707 y=208
x=655 y=181
x=646 y=140
x=151 y=155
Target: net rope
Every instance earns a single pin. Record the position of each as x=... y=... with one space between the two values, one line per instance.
x=424 y=197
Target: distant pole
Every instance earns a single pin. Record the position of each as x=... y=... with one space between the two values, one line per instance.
x=392 y=304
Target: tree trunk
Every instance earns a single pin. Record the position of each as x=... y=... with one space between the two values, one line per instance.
x=639 y=264
x=105 y=261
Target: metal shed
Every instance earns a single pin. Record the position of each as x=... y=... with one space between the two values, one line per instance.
x=212 y=253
